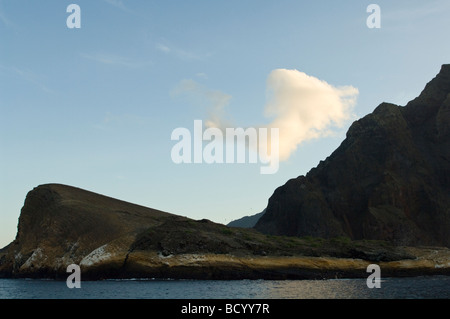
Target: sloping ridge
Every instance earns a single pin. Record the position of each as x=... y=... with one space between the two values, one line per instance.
x=60 y=225
x=388 y=180
x=246 y=221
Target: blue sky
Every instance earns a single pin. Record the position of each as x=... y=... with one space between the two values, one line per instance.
x=95 y=107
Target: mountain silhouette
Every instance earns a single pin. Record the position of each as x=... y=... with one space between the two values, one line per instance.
x=388 y=180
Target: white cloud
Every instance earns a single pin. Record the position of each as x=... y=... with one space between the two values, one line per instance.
x=413 y=13
x=125 y=121
x=213 y=101
x=163 y=48
x=202 y=75
x=4 y=19
x=116 y=60
x=304 y=107
x=118 y=4
x=28 y=76
x=181 y=54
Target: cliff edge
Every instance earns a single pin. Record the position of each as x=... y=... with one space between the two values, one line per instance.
x=388 y=180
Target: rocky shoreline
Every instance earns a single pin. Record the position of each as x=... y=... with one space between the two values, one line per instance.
x=227 y=267
x=62 y=225
x=429 y=261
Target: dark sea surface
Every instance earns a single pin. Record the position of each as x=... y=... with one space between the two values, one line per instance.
x=436 y=287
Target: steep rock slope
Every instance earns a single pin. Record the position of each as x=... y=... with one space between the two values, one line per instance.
x=388 y=180
x=60 y=225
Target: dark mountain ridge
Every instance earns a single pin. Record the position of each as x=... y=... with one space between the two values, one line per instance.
x=388 y=180
x=246 y=221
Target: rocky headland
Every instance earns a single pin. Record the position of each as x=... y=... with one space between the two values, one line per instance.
x=382 y=197
x=388 y=180
x=61 y=225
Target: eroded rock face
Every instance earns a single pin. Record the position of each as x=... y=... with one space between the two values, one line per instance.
x=389 y=179
x=60 y=225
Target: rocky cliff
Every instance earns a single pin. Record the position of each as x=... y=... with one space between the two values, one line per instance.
x=385 y=187
x=388 y=180
x=61 y=225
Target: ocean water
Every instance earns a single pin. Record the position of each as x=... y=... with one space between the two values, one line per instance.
x=435 y=287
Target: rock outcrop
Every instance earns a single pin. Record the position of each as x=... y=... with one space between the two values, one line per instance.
x=246 y=221
x=387 y=186
x=388 y=180
x=61 y=225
